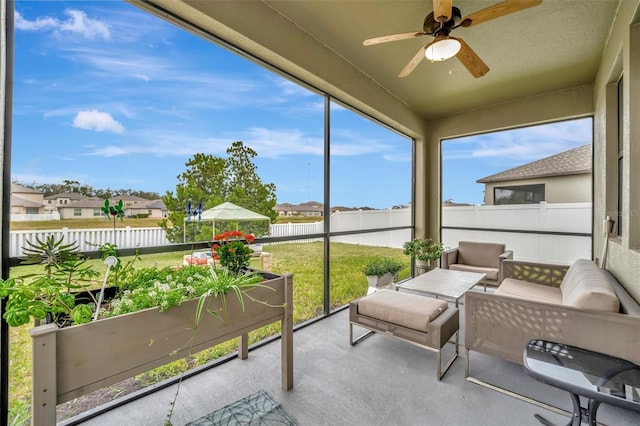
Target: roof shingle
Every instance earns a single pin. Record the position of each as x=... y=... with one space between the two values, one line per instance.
x=572 y=162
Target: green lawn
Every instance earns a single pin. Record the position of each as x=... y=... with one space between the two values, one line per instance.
x=303 y=260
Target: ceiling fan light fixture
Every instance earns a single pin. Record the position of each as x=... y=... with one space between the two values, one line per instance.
x=442 y=49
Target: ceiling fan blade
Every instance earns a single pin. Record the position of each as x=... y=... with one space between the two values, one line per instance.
x=392 y=37
x=442 y=10
x=497 y=10
x=471 y=60
x=413 y=63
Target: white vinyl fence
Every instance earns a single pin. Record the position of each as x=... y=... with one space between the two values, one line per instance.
x=90 y=239
x=371 y=219
x=541 y=232
x=15 y=217
x=294 y=229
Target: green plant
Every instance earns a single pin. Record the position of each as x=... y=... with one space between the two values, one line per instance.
x=379 y=267
x=302 y=258
x=167 y=287
x=48 y=295
x=232 y=250
x=424 y=249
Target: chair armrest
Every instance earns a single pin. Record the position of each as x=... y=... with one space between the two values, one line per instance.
x=500 y=325
x=507 y=255
x=534 y=272
x=449 y=257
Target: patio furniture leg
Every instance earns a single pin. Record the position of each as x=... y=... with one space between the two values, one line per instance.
x=442 y=372
x=362 y=337
x=469 y=378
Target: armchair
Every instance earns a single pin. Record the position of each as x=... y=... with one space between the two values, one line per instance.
x=481 y=257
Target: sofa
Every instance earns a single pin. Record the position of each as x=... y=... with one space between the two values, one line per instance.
x=578 y=304
x=474 y=256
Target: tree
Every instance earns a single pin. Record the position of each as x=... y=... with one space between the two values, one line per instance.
x=212 y=180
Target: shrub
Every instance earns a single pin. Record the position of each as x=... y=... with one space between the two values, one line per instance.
x=423 y=249
x=379 y=267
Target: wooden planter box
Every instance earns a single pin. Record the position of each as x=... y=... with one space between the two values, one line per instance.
x=73 y=361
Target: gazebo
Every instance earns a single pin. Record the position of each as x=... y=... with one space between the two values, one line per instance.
x=225 y=212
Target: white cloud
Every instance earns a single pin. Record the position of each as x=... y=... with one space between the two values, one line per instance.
x=269 y=143
x=513 y=147
x=98 y=121
x=37 y=25
x=77 y=23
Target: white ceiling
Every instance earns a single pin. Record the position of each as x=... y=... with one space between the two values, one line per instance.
x=557 y=44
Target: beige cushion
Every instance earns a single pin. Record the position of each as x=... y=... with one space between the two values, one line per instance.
x=585 y=286
x=530 y=291
x=405 y=309
x=492 y=273
x=480 y=254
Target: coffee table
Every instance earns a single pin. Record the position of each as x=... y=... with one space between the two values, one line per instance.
x=445 y=283
x=593 y=375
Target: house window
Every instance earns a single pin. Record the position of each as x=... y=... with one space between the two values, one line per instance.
x=521 y=194
x=97 y=212
x=32 y=210
x=77 y=212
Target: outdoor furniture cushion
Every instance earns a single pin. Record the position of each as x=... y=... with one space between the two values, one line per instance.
x=480 y=257
x=530 y=291
x=585 y=286
x=480 y=254
x=408 y=310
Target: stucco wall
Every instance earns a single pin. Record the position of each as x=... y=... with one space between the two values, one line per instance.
x=620 y=58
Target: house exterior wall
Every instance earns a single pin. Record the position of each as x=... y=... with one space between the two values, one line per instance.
x=558 y=189
x=36 y=197
x=154 y=213
x=85 y=213
x=621 y=57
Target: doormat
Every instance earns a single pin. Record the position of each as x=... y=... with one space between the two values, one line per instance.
x=255 y=410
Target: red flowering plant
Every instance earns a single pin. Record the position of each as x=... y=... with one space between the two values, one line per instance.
x=232 y=249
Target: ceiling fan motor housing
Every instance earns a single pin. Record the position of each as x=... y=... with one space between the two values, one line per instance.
x=435 y=28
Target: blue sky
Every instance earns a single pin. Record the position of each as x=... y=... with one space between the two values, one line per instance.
x=114 y=97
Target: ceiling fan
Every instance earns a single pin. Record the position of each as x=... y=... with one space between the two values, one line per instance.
x=439 y=24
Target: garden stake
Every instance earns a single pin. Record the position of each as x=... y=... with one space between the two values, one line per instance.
x=109 y=261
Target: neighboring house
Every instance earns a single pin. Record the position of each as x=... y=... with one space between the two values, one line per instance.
x=91 y=207
x=310 y=208
x=284 y=209
x=63 y=199
x=560 y=178
x=26 y=200
x=152 y=208
x=346 y=209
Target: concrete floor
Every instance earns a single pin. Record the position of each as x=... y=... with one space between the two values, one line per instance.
x=380 y=381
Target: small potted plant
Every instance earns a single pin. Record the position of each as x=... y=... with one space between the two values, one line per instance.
x=232 y=249
x=424 y=251
x=382 y=272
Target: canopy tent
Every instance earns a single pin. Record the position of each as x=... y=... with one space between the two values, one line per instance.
x=225 y=212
